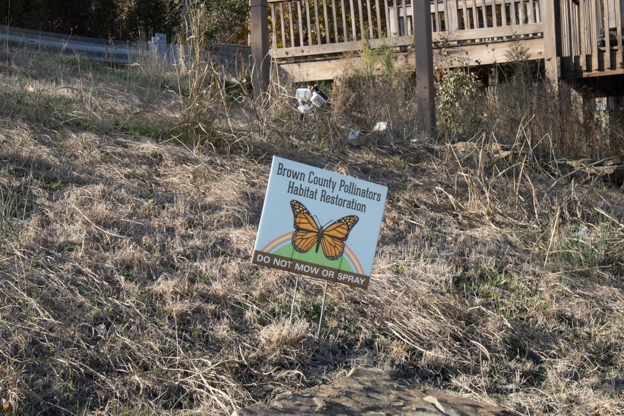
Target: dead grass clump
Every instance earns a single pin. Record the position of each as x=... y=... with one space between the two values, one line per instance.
x=275 y=337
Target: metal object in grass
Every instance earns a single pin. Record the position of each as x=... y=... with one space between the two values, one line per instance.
x=318 y=331
x=309 y=100
x=292 y=305
x=111 y=51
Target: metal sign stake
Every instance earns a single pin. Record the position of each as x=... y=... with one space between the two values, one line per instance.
x=292 y=305
x=318 y=331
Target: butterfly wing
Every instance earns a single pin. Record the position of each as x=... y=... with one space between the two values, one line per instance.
x=306 y=229
x=335 y=235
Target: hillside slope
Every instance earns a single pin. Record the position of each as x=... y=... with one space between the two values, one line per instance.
x=126 y=285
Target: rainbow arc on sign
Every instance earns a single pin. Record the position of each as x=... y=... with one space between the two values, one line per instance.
x=285 y=239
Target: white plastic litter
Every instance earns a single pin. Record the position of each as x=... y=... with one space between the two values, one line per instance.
x=380 y=126
x=303 y=94
x=353 y=134
x=308 y=100
x=317 y=100
x=304 y=109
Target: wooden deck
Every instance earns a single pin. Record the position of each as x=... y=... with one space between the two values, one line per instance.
x=312 y=39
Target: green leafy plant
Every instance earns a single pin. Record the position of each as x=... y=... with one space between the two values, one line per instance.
x=457 y=93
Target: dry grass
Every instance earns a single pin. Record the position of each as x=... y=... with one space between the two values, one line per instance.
x=126 y=285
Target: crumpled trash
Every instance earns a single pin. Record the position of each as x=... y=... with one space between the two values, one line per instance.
x=582 y=232
x=305 y=109
x=353 y=134
x=380 y=126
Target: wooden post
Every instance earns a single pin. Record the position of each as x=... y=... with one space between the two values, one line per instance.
x=260 y=48
x=550 y=42
x=424 y=65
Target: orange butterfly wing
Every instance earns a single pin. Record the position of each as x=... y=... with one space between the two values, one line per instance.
x=335 y=235
x=306 y=230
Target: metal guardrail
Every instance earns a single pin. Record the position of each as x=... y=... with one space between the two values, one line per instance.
x=48 y=43
x=233 y=57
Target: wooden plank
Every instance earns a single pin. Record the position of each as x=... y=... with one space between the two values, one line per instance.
x=460 y=35
x=259 y=17
x=344 y=21
x=563 y=28
x=292 y=27
x=490 y=53
x=618 y=21
x=484 y=12
x=387 y=33
x=594 y=34
x=425 y=93
x=273 y=24
x=326 y=21
x=281 y=5
x=566 y=20
x=396 y=18
x=570 y=11
x=359 y=3
x=498 y=32
x=300 y=23
x=592 y=74
x=606 y=36
x=354 y=31
x=504 y=13
x=379 y=35
x=550 y=43
x=335 y=18
x=577 y=29
x=469 y=54
x=475 y=15
x=538 y=14
x=612 y=24
x=583 y=34
x=449 y=16
x=317 y=23
x=307 y=3
x=566 y=27
x=370 y=20
x=588 y=31
x=334 y=12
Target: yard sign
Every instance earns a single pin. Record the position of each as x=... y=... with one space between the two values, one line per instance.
x=319 y=223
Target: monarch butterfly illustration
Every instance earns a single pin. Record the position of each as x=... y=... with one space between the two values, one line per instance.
x=308 y=232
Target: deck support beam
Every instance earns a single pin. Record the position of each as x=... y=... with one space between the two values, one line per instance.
x=550 y=42
x=424 y=66
x=260 y=49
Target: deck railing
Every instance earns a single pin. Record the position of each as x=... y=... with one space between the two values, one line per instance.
x=591 y=36
x=312 y=27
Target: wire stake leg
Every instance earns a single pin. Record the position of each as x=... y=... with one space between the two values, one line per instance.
x=318 y=331
x=292 y=305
